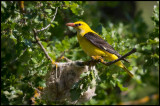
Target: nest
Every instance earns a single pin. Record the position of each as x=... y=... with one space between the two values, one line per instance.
x=60 y=80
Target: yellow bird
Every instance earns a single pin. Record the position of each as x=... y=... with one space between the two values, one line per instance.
x=94 y=46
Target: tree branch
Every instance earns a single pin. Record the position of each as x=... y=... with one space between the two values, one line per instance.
x=122 y=57
x=63 y=57
x=40 y=44
x=50 y=22
x=37 y=38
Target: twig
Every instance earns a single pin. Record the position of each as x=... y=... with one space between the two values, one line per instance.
x=63 y=57
x=30 y=83
x=68 y=60
x=111 y=62
x=122 y=57
x=40 y=44
x=37 y=39
x=19 y=56
x=23 y=99
x=60 y=57
x=50 y=22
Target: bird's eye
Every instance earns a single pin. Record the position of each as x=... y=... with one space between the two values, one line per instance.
x=78 y=24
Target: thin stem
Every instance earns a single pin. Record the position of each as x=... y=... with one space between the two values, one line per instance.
x=50 y=22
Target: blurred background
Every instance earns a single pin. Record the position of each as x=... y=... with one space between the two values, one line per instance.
x=123 y=24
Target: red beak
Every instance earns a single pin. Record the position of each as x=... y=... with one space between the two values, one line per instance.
x=70 y=24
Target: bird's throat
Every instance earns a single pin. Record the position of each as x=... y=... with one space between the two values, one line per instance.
x=81 y=32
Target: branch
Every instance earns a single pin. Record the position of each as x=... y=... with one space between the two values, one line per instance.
x=50 y=22
x=63 y=57
x=122 y=57
x=37 y=38
x=111 y=62
x=30 y=83
x=40 y=44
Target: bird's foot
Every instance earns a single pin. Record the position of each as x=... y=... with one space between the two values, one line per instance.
x=97 y=58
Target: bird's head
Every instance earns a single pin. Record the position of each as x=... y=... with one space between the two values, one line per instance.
x=79 y=26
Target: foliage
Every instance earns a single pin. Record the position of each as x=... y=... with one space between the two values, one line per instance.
x=88 y=80
x=23 y=61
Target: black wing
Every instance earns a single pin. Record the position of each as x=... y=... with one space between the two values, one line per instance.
x=100 y=43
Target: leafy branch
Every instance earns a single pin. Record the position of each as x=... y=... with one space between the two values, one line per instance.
x=38 y=40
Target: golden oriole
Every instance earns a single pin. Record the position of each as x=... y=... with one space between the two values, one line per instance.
x=94 y=46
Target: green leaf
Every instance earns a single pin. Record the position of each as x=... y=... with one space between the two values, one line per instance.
x=67 y=3
x=34 y=60
x=48 y=10
x=121 y=87
x=104 y=31
x=42 y=83
x=76 y=9
x=52 y=25
x=4 y=4
x=75 y=94
x=13 y=38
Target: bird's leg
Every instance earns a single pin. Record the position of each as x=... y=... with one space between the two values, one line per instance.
x=97 y=58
